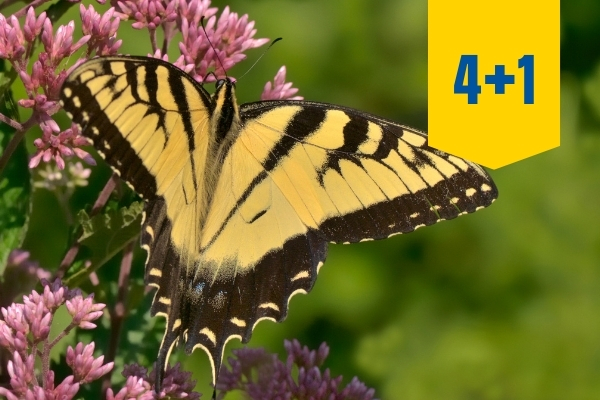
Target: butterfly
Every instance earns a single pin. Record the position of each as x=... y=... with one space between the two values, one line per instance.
x=242 y=201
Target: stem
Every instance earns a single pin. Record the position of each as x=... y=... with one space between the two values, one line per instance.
x=105 y=194
x=60 y=336
x=16 y=139
x=46 y=351
x=168 y=28
x=23 y=11
x=117 y=316
x=98 y=205
x=13 y=124
x=153 y=40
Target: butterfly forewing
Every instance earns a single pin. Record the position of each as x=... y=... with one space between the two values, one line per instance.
x=363 y=177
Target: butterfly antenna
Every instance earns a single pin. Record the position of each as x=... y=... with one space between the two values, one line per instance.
x=212 y=47
x=261 y=56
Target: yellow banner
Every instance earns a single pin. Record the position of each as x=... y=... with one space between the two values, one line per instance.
x=494 y=78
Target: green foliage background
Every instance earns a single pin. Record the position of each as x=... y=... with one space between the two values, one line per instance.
x=502 y=304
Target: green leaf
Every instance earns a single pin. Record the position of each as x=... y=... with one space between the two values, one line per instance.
x=6 y=80
x=104 y=235
x=58 y=9
x=15 y=186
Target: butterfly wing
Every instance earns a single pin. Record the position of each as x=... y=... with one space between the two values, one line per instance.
x=298 y=176
x=150 y=121
x=228 y=254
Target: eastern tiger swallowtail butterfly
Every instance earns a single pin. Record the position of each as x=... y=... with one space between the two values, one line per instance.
x=241 y=201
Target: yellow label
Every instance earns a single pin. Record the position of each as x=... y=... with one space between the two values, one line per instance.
x=514 y=48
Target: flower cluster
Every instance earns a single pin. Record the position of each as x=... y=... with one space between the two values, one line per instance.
x=218 y=46
x=177 y=384
x=207 y=52
x=280 y=89
x=65 y=144
x=43 y=77
x=263 y=376
x=25 y=329
x=53 y=178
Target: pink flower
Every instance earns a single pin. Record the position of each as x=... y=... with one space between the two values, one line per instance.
x=179 y=63
x=12 y=40
x=135 y=388
x=85 y=367
x=66 y=390
x=280 y=90
x=61 y=45
x=65 y=144
x=33 y=26
x=149 y=13
x=26 y=325
x=14 y=317
x=177 y=384
x=263 y=376
x=84 y=311
x=20 y=372
x=102 y=30
x=194 y=10
x=230 y=36
x=38 y=317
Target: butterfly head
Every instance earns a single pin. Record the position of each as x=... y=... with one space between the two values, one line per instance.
x=225 y=111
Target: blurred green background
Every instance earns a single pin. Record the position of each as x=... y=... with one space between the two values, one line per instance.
x=501 y=304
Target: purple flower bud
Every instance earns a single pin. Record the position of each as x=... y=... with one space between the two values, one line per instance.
x=56 y=147
x=8 y=394
x=279 y=89
x=47 y=35
x=37 y=75
x=83 y=311
x=26 y=103
x=102 y=29
x=35 y=393
x=135 y=388
x=15 y=318
x=135 y=370
x=53 y=297
x=6 y=337
x=262 y=375
x=176 y=384
x=35 y=160
x=12 y=40
x=85 y=367
x=33 y=26
x=38 y=316
x=20 y=372
x=66 y=390
x=20 y=342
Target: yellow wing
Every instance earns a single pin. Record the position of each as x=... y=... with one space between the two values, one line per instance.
x=301 y=175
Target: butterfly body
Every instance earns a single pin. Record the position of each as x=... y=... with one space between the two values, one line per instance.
x=241 y=201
